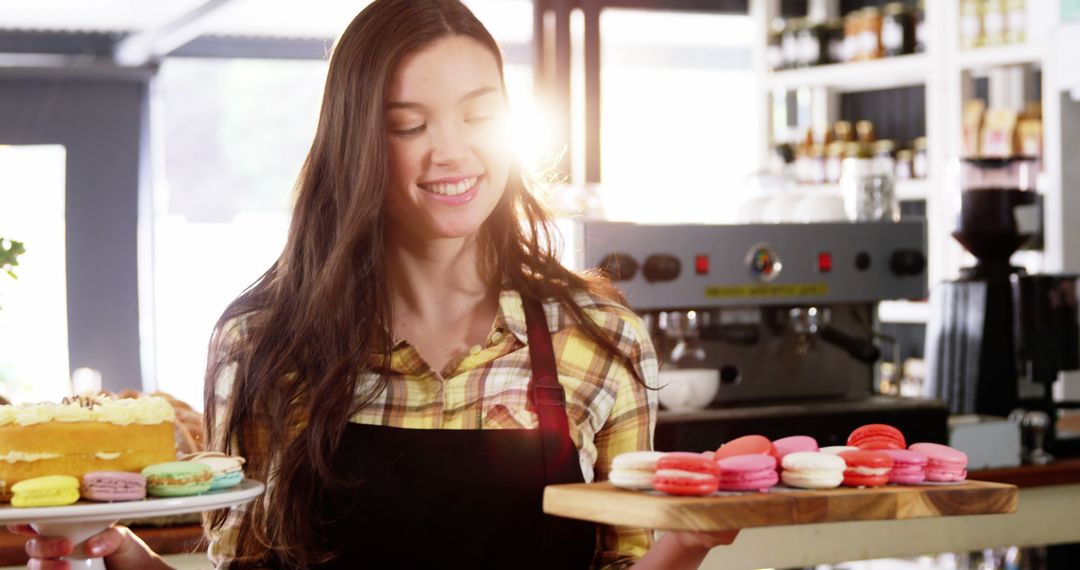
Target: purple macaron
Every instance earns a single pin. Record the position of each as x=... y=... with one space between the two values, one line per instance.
x=112 y=486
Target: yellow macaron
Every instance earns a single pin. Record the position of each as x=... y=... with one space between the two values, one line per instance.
x=48 y=491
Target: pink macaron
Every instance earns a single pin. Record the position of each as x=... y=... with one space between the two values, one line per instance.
x=943 y=463
x=112 y=486
x=745 y=445
x=909 y=467
x=793 y=444
x=755 y=472
x=683 y=473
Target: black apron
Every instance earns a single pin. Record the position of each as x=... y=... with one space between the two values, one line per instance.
x=463 y=498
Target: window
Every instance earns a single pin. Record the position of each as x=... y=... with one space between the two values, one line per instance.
x=678 y=125
x=33 y=308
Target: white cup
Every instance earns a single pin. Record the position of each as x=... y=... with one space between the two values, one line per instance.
x=688 y=389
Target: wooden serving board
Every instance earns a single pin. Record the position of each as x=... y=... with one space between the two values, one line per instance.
x=607 y=504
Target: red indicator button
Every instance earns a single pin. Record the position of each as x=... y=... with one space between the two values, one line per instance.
x=824 y=262
x=701 y=264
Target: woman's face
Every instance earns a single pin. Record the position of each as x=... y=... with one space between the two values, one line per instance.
x=449 y=156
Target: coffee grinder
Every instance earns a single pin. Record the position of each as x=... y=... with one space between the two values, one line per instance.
x=994 y=326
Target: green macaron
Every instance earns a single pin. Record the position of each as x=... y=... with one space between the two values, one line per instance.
x=177 y=479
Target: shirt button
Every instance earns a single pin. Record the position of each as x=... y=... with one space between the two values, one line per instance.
x=496 y=337
x=474 y=349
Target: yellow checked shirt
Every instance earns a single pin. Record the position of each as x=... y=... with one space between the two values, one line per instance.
x=608 y=410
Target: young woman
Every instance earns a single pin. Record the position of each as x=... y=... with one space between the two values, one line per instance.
x=417 y=365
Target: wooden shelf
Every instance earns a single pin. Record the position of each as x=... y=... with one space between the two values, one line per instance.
x=886 y=73
x=998 y=56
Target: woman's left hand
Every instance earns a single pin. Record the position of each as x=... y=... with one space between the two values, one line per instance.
x=705 y=540
x=683 y=550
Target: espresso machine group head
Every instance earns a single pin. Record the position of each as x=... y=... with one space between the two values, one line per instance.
x=786 y=313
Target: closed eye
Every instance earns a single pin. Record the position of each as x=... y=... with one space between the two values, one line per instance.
x=409 y=132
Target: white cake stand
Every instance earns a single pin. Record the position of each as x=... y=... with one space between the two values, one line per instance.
x=84 y=519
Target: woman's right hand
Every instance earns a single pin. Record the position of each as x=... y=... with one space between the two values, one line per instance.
x=120 y=548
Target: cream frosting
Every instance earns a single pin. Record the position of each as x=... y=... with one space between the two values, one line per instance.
x=107 y=456
x=147 y=410
x=17 y=456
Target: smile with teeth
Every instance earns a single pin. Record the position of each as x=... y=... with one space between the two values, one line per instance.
x=451 y=189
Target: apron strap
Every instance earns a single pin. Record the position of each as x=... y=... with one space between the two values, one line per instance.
x=547 y=398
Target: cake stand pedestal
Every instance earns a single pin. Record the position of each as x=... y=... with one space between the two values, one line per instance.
x=84 y=519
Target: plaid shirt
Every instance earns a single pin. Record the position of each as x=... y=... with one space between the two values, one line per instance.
x=608 y=410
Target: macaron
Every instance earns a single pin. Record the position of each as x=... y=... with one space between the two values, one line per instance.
x=837 y=449
x=877 y=436
x=745 y=445
x=112 y=486
x=793 y=444
x=227 y=470
x=634 y=469
x=908 y=467
x=754 y=472
x=177 y=479
x=47 y=491
x=812 y=470
x=866 y=468
x=682 y=473
x=943 y=463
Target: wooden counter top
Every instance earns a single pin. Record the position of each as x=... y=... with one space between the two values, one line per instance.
x=1060 y=472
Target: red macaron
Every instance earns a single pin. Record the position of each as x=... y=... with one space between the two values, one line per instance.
x=746 y=445
x=681 y=473
x=866 y=468
x=877 y=436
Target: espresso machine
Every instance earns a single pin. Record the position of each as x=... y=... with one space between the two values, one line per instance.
x=785 y=313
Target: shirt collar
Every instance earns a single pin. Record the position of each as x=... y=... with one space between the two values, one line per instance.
x=511 y=315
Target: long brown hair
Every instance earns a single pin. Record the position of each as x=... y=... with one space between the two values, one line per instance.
x=312 y=322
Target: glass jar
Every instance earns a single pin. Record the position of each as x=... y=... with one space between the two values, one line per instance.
x=883 y=155
x=898 y=29
x=834 y=156
x=993 y=18
x=789 y=43
x=813 y=45
x=904 y=159
x=971 y=23
x=920 y=27
x=834 y=32
x=853 y=24
x=774 y=53
x=871 y=33
x=920 y=162
x=1015 y=21
x=869 y=194
x=816 y=164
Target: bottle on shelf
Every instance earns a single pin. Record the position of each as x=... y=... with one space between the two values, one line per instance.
x=774 y=53
x=993 y=22
x=920 y=26
x=898 y=29
x=871 y=33
x=789 y=42
x=869 y=192
x=904 y=158
x=1015 y=21
x=920 y=163
x=971 y=23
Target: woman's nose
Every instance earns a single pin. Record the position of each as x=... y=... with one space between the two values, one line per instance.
x=447 y=145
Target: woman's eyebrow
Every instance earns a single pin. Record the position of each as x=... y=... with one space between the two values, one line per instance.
x=466 y=97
